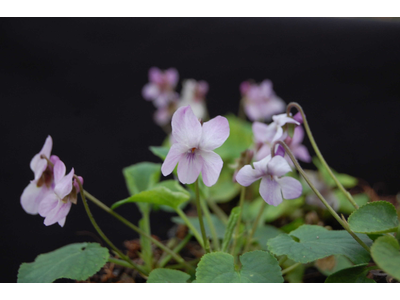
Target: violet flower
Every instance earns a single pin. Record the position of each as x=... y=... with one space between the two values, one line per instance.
x=273 y=186
x=193 y=145
x=260 y=100
x=43 y=179
x=299 y=151
x=161 y=88
x=193 y=94
x=57 y=203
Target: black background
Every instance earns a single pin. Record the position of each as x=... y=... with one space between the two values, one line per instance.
x=80 y=81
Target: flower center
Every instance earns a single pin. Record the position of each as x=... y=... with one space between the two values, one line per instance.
x=192 y=150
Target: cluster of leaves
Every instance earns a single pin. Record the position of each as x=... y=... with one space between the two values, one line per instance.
x=291 y=245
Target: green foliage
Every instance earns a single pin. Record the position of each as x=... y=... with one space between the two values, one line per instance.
x=344 y=204
x=374 y=218
x=167 y=276
x=257 y=266
x=169 y=193
x=264 y=233
x=332 y=264
x=386 y=254
x=225 y=189
x=142 y=176
x=346 y=180
x=240 y=139
x=159 y=151
x=218 y=224
x=354 y=274
x=75 y=261
x=233 y=218
x=296 y=275
x=311 y=242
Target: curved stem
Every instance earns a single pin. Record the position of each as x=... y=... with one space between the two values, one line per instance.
x=292 y=267
x=100 y=204
x=331 y=210
x=255 y=225
x=206 y=245
x=236 y=235
x=316 y=149
x=190 y=226
x=101 y=233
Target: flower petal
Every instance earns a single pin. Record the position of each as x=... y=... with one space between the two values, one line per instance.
x=155 y=75
x=261 y=132
x=301 y=152
x=150 y=91
x=58 y=213
x=212 y=166
x=247 y=175
x=298 y=135
x=189 y=167
x=48 y=204
x=186 y=128
x=263 y=152
x=172 y=76
x=59 y=171
x=261 y=165
x=32 y=196
x=278 y=166
x=215 y=133
x=270 y=191
x=174 y=155
x=64 y=186
x=291 y=188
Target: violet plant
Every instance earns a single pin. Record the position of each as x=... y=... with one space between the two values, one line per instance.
x=260 y=216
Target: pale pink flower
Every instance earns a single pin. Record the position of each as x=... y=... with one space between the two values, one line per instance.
x=161 y=88
x=43 y=179
x=299 y=151
x=193 y=94
x=193 y=145
x=57 y=202
x=273 y=187
x=260 y=100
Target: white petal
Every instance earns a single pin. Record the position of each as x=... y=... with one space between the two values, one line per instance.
x=215 y=133
x=48 y=204
x=270 y=191
x=59 y=171
x=32 y=196
x=189 y=167
x=291 y=188
x=173 y=156
x=260 y=131
x=212 y=166
x=186 y=128
x=247 y=175
x=261 y=165
x=278 y=166
x=58 y=213
x=64 y=186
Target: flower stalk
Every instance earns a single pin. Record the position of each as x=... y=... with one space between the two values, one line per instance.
x=206 y=245
x=237 y=229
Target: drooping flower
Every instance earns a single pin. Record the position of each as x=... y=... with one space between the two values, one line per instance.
x=161 y=88
x=57 y=203
x=275 y=129
x=299 y=151
x=273 y=187
x=193 y=94
x=260 y=100
x=34 y=193
x=193 y=145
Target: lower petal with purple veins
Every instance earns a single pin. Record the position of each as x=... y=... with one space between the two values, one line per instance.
x=189 y=167
x=270 y=191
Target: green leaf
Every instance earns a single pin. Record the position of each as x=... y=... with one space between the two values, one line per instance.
x=167 y=276
x=386 y=254
x=169 y=193
x=344 y=204
x=374 y=218
x=233 y=218
x=142 y=176
x=218 y=224
x=225 y=189
x=346 y=180
x=264 y=233
x=355 y=274
x=311 y=242
x=75 y=261
x=257 y=266
x=161 y=152
x=296 y=275
x=240 y=138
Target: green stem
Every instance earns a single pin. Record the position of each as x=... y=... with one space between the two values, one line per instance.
x=236 y=235
x=178 y=248
x=100 y=204
x=144 y=224
x=179 y=266
x=316 y=149
x=119 y=262
x=255 y=226
x=206 y=245
x=292 y=267
x=218 y=211
x=330 y=209
x=210 y=223
x=101 y=233
x=190 y=225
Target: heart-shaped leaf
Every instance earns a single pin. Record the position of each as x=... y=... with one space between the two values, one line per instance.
x=257 y=266
x=386 y=254
x=354 y=274
x=142 y=176
x=161 y=152
x=168 y=192
x=75 y=261
x=311 y=242
x=167 y=276
x=374 y=218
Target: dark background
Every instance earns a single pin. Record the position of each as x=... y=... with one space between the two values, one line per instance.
x=80 y=81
